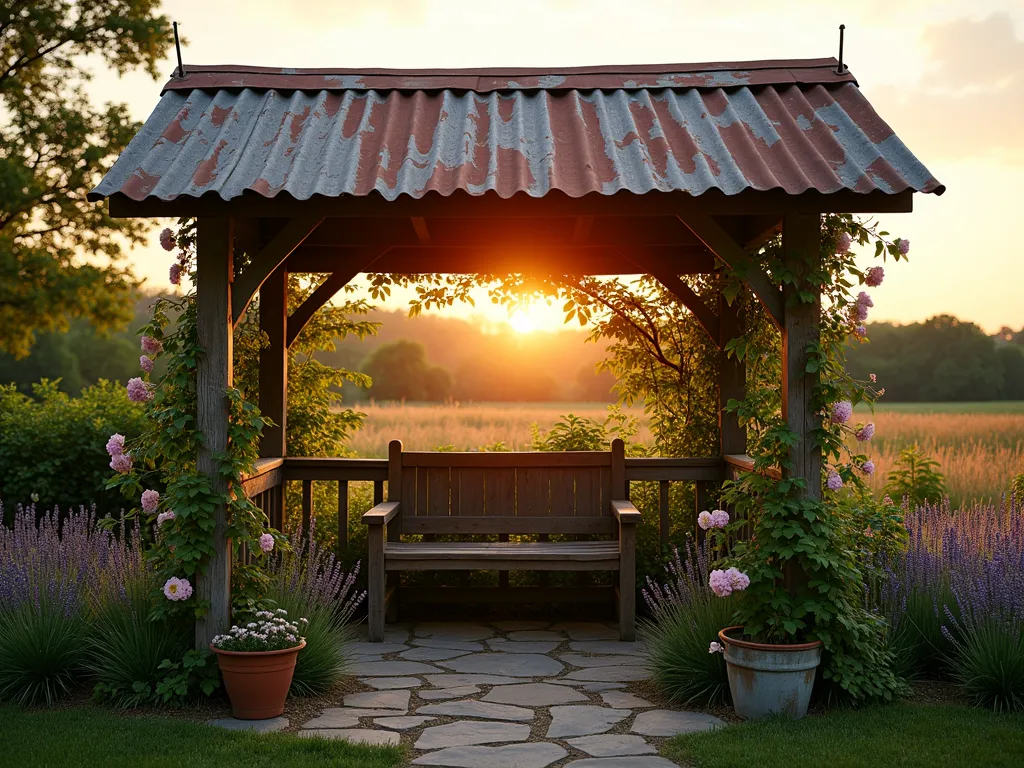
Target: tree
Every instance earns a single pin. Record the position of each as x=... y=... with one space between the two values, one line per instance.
x=54 y=147
x=400 y=372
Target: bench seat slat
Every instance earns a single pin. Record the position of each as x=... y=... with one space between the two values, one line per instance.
x=524 y=552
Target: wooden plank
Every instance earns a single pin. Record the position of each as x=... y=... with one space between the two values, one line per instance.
x=269 y=259
x=376 y=578
x=486 y=525
x=263 y=482
x=421 y=489
x=307 y=506
x=669 y=462
x=627 y=582
x=618 y=473
x=490 y=595
x=801 y=239
x=732 y=379
x=454 y=491
x=342 y=516
x=396 y=489
x=691 y=474
x=555 y=203
x=507 y=460
x=471 y=492
x=339 y=472
x=438 y=491
x=500 y=489
x=214 y=255
x=273 y=365
x=689 y=299
x=664 y=521
x=521 y=550
x=563 y=493
x=533 y=492
x=378 y=492
x=588 y=494
x=496 y=563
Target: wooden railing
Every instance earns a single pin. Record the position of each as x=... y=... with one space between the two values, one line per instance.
x=265 y=486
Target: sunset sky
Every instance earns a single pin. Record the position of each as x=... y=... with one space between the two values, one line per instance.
x=947 y=75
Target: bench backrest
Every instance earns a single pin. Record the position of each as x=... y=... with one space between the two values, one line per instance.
x=515 y=493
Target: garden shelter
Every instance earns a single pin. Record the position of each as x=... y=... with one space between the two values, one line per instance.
x=666 y=170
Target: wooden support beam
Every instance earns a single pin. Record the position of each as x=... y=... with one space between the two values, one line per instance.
x=801 y=238
x=419 y=224
x=678 y=288
x=732 y=379
x=722 y=244
x=268 y=259
x=361 y=260
x=273 y=399
x=214 y=262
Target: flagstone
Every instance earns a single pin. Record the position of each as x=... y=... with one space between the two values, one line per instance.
x=587 y=630
x=536 y=635
x=647 y=761
x=403 y=722
x=533 y=755
x=533 y=695
x=586 y=686
x=484 y=710
x=613 y=745
x=455 y=680
x=667 y=722
x=259 y=726
x=448 y=693
x=522 y=646
x=394 y=668
x=391 y=682
x=579 y=660
x=518 y=625
x=453 y=631
x=364 y=647
x=430 y=654
x=583 y=720
x=610 y=646
x=616 y=674
x=347 y=717
x=465 y=733
x=624 y=700
x=356 y=736
x=455 y=645
x=379 y=700
x=510 y=664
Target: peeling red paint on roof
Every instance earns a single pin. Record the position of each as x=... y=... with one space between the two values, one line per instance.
x=537 y=133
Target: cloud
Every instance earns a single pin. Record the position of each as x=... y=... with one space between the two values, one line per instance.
x=969 y=104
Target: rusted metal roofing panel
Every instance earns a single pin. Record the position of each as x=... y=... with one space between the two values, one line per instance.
x=708 y=75
x=797 y=137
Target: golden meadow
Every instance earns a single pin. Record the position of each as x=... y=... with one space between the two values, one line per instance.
x=980 y=446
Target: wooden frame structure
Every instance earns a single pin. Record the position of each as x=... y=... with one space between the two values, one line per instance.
x=668 y=170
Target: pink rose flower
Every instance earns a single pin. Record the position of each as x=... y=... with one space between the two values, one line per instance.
x=704 y=520
x=844 y=243
x=737 y=579
x=842 y=411
x=115 y=445
x=866 y=432
x=834 y=482
x=121 y=463
x=860 y=312
x=868 y=467
x=163 y=517
x=873 y=378
x=716 y=648
x=175 y=273
x=139 y=391
x=167 y=239
x=146 y=363
x=720 y=583
x=151 y=346
x=903 y=246
x=719 y=518
x=150 y=501
x=267 y=542
x=874 y=277
x=177 y=589
x=864 y=298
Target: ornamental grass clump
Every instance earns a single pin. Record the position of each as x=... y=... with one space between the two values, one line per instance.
x=307 y=580
x=686 y=613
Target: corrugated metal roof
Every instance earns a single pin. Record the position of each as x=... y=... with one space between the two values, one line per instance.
x=228 y=138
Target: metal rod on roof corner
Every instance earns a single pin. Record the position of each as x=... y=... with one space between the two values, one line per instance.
x=177 y=47
x=842 y=34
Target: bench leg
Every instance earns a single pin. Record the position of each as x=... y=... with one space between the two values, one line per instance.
x=376 y=583
x=627 y=583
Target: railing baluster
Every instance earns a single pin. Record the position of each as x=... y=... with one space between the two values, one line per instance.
x=307 y=506
x=378 y=492
x=663 y=516
x=342 y=516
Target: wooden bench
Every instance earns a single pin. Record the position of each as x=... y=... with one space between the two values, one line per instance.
x=579 y=494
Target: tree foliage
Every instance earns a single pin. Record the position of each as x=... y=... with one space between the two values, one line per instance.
x=399 y=371
x=60 y=255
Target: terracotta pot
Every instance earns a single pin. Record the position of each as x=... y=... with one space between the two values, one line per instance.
x=768 y=679
x=257 y=681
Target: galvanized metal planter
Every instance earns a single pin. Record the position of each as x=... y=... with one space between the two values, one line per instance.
x=767 y=679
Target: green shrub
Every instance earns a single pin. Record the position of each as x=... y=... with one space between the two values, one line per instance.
x=42 y=650
x=52 y=445
x=686 y=619
x=916 y=478
x=127 y=648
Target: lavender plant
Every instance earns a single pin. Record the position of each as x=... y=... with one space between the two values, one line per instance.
x=307 y=580
x=687 y=615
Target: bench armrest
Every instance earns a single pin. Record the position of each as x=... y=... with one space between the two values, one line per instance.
x=625 y=512
x=381 y=514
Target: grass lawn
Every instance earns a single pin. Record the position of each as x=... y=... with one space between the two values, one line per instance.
x=91 y=736
x=930 y=736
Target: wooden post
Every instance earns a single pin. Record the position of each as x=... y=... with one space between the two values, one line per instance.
x=213 y=377
x=273 y=399
x=732 y=379
x=394 y=529
x=801 y=239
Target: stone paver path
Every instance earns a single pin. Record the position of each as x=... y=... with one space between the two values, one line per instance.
x=508 y=694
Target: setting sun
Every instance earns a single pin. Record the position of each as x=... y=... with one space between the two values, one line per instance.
x=535 y=317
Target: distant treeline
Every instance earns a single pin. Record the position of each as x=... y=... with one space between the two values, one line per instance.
x=941 y=360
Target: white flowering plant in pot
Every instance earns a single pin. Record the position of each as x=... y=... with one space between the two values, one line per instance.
x=270 y=631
